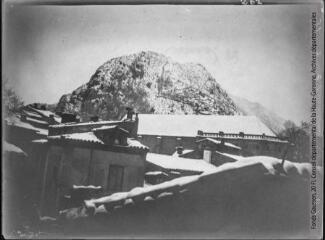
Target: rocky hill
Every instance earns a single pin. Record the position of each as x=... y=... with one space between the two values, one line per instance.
x=269 y=118
x=150 y=83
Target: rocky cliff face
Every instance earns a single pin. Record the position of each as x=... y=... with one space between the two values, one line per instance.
x=150 y=83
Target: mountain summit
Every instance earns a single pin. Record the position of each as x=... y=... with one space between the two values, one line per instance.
x=150 y=83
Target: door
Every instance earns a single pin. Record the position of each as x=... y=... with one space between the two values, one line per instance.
x=50 y=187
x=115 y=178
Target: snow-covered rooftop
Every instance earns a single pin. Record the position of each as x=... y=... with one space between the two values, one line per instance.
x=92 y=138
x=105 y=127
x=175 y=154
x=210 y=140
x=15 y=121
x=84 y=123
x=155 y=173
x=40 y=141
x=219 y=142
x=188 y=125
x=135 y=143
x=178 y=163
x=260 y=165
x=8 y=147
x=233 y=156
x=45 y=113
x=85 y=137
x=232 y=145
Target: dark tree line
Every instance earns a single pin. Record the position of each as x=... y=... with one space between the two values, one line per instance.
x=299 y=136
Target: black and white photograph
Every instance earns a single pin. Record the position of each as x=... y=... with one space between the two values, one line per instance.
x=162 y=120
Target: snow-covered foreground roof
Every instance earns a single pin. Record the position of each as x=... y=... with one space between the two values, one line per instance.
x=178 y=163
x=188 y=125
x=259 y=165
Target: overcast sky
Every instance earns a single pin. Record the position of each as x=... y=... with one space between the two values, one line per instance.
x=261 y=53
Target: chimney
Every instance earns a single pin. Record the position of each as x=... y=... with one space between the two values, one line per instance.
x=200 y=133
x=129 y=113
x=137 y=117
x=134 y=132
x=179 y=150
x=207 y=154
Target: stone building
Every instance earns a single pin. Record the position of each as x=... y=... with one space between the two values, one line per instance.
x=163 y=133
x=88 y=154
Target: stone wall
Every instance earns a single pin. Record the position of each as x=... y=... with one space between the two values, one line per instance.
x=68 y=166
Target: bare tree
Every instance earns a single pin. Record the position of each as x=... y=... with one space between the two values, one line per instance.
x=12 y=103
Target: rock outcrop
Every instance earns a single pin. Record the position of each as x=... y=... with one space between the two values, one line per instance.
x=150 y=83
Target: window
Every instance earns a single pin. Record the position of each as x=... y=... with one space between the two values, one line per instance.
x=115 y=178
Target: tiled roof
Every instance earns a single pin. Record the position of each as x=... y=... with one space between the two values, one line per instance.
x=188 y=125
x=83 y=137
x=178 y=163
x=15 y=121
x=43 y=113
x=134 y=143
x=84 y=123
x=90 y=137
x=233 y=156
